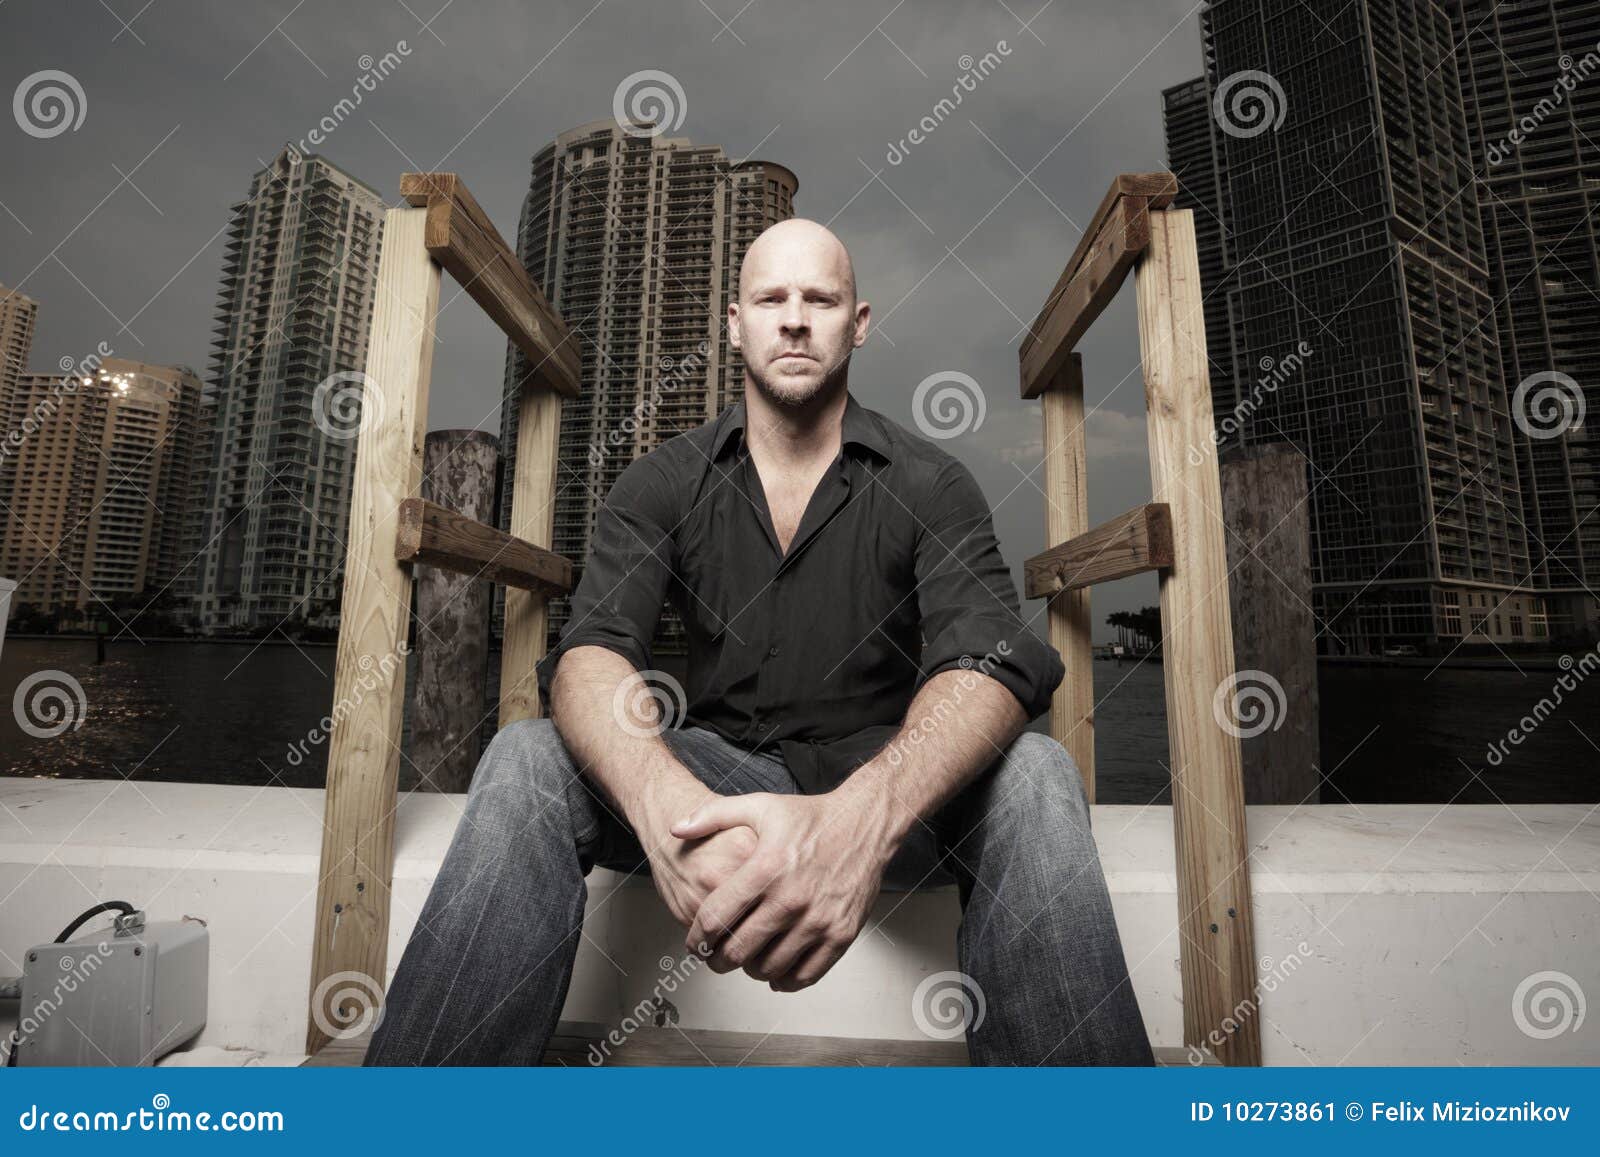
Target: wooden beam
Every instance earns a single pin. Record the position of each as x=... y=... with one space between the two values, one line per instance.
x=437 y=536
x=533 y=520
x=1116 y=235
x=1066 y=514
x=351 y=937
x=1134 y=542
x=1217 y=957
x=461 y=238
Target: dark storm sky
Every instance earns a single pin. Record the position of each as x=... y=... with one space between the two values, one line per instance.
x=115 y=227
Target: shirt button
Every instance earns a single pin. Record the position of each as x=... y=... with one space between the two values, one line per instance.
x=772 y=652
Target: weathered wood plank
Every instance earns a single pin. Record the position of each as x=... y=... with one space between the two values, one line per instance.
x=352 y=913
x=432 y=534
x=1143 y=191
x=1133 y=542
x=1122 y=237
x=1066 y=514
x=533 y=503
x=578 y=1044
x=461 y=238
x=1216 y=954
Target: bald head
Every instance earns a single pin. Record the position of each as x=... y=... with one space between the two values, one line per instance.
x=797 y=244
x=797 y=317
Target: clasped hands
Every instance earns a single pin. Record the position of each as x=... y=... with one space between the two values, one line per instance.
x=778 y=885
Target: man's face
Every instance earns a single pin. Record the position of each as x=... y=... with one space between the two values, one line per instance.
x=797 y=318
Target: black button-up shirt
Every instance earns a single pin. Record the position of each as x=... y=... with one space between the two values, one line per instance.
x=893 y=576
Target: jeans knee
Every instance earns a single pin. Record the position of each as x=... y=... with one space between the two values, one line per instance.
x=526 y=766
x=1043 y=781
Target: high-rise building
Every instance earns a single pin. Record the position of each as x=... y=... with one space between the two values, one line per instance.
x=1530 y=74
x=1358 y=302
x=18 y=313
x=102 y=481
x=292 y=316
x=636 y=239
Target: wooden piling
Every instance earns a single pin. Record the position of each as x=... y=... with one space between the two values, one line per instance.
x=452 y=639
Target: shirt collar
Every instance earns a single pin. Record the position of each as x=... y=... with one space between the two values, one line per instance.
x=859 y=426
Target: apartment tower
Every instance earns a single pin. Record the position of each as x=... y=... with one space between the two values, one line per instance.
x=298 y=276
x=101 y=486
x=1355 y=300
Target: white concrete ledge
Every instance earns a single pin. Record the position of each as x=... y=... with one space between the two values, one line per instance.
x=1418 y=922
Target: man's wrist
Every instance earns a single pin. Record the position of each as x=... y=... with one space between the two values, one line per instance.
x=667 y=795
x=870 y=792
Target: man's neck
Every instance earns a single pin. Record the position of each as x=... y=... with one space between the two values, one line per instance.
x=793 y=435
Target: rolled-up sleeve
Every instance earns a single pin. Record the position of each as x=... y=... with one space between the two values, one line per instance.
x=618 y=601
x=967 y=599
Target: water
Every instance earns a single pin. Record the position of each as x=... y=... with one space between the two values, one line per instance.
x=230 y=712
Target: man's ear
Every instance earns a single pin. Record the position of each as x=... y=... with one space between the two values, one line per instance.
x=735 y=338
x=863 y=321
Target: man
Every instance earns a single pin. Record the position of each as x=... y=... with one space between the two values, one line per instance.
x=859 y=678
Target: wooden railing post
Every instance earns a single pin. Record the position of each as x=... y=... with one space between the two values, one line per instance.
x=533 y=501
x=1217 y=944
x=349 y=951
x=1066 y=515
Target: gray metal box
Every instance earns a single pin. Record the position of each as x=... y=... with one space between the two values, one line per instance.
x=114 y=999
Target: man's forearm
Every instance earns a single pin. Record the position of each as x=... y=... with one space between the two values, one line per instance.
x=610 y=739
x=957 y=726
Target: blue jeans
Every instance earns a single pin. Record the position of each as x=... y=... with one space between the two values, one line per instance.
x=486 y=970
